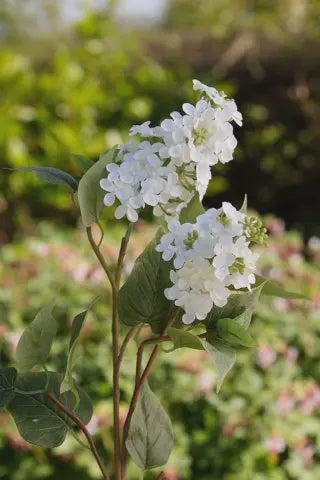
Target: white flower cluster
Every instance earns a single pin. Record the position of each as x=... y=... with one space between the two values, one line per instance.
x=173 y=162
x=208 y=257
x=165 y=169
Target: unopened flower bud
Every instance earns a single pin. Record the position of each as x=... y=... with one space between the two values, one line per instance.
x=255 y=231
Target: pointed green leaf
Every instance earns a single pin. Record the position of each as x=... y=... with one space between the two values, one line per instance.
x=223 y=359
x=192 y=210
x=239 y=309
x=234 y=333
x=274 y=289
x=76 y=327
x=240 y=305
x=181 y=338
x=35 y=343
x=244 y=206
x=84 y=163
x=37 y=418
x=150 y=438
x=52 y=175
x=90 y=194
x=7 y=382
x=141 y=298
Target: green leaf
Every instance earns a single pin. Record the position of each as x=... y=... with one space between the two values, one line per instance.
x=35 y=343
x=234 y=333
x=150 y=438
x=37 y=418
x=274 y=289
x=84 y=163
x=52 y=175
x=7 y=382
x=90 y=194
x=181 y=338
x=76 y=328
x=240 y=305
x=223 y=359
x=192 y=210
x=141 y=298
x=244 y=206
x=239 y=308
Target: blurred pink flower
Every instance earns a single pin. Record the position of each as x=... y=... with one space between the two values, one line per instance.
x=229 y=428
x=171 y=473
x=276 y=274
x=306 y=451
x=311 y=401
x=17 y=442
x=285 y=403
x=275 y=444
x=41 y=249
x=281 y=304
x=12 y=339
x=93 y=425
x=97 y=276
x=3 y=330
x=205 y=383
x=291 y=354
x=276 y=226
x=81 y=272
x=266 y=356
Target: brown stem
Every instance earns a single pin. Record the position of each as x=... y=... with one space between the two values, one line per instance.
x=161 y=476
x=116 y=386
x=99 y=256
x=131 y=334
x=122 y=252
x=145 y=343
x=140 y=383
x=115 y=353
x=83 y=428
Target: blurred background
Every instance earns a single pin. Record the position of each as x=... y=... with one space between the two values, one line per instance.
x=74 y=76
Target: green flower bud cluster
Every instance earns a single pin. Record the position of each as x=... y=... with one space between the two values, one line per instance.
x=238 y=266
x=191 y=238
x=255 y=231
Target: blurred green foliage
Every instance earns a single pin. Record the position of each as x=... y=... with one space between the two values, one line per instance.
x=77 y=88
x=264 y=422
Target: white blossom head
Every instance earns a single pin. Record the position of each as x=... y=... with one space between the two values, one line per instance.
x=174 y=160
x=210 y=258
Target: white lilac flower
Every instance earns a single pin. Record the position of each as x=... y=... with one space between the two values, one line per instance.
x=196 y=289
x=184 y=242
x=174 y=162
x=203 y=135
x=209 y=256
x=144 y=130
x=219 y=98
x=244 y=265
x=141 y=177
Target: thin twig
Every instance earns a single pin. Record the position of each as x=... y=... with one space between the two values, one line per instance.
x=99 y=256
x=130 y=334
x=115 y=353
x=145 y=343
x=122 y=252
x=116 y=386
x=83 y=428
